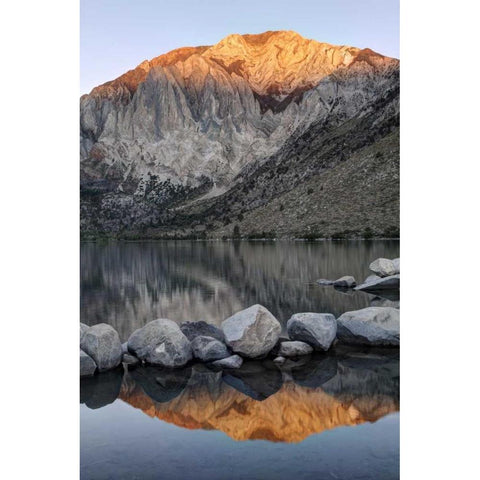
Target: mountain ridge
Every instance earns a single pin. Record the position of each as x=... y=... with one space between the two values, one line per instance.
x=194 y=123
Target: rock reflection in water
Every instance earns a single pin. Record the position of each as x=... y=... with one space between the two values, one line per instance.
x=101 y=390
x=257 y=380
x=260 y=400
x=129 y=284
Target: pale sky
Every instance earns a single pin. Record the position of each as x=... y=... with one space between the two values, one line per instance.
x=117 y=35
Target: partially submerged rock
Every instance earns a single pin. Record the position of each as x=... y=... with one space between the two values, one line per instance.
x=196 y=329
x=279 y=360
x=234 y=361
x=383 y=267
x=347 y=281
x=87 y=365
x=371 y=278
x=324 y=281
x=274 y=351
x=130 y=360
x=252 y=332
x=102 y=343
x=294 y=348
x=316 y=329
x=208 y=349
x=384 y=302
x=386 y=283
x=161 y=342
x=373 y=326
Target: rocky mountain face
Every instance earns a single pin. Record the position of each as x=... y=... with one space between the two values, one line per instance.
x=240 y=138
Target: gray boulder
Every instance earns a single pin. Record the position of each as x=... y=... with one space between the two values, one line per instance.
x=294 y=349
x=129 y=359
x=279 y=360
x=371 y=278
x=208 y=349
x=161 y=342
x=386 y=283
x=384 y=302
x=396 y=264
x=125 y=347
x=324 y=281
x=346 y=281
x=201 y=328
x=102 y=343
x=83 y=329
x=383 y=267
x=373 y=326
x=87 y=365
x=235 y=361
x=252 y=332
x=316 y=329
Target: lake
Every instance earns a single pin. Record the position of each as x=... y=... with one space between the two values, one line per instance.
x=331 y=415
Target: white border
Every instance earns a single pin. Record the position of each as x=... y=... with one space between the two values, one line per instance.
x=39 y=241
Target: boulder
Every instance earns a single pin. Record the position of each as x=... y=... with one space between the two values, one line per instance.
x=383 y=267
x=384 y=302
x=208 y=349
x=346 y=281
x=396 y=264
x=83 y=329
x=102 y=343
x=235 y=361
x=274 y=351
x=373 y=326
x=316 y=329
x=87 y=365
x=294 y=349
x=252 y=332
x=371 y=278
x=130 y=360
x=324 y=281
x=125 y=347
x=201 y=328
x=386 y=283
x=161 y=342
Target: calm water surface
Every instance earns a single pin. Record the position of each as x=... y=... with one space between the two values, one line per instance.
x=332 y=416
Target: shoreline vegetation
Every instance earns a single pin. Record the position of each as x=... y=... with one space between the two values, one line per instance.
x=306 y=238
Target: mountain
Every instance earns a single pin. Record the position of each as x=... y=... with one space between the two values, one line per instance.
x=258 y=135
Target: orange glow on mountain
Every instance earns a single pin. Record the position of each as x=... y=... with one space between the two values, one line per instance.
x=290 y=415
x=275 y=63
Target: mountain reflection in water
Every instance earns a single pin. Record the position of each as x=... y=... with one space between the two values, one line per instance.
x=129 y=284
x=260 y=400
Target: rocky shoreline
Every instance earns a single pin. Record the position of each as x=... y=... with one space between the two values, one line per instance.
x=250 y=334
x=386 y=276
